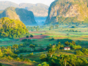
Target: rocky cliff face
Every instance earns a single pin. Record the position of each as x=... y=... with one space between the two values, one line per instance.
x=37 y=9
x=68 y=11
x=25 y=16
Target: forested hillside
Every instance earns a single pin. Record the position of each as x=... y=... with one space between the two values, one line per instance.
x=27 y=17
x=11 y=28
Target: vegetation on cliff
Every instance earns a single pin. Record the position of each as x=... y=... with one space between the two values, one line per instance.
x=68 y=11
x=27 y=17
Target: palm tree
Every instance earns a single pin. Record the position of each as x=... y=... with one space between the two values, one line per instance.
x=65 y=59
x=15 y=46
x=32 y=46
x=51 y=51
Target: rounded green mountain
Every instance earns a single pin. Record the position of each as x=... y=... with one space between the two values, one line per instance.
x=11 y=28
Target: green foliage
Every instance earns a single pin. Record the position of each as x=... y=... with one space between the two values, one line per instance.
x=75 y=46
x=21 y=56
x=1 y=54
x=32 y=46
x=71 y=60
x=18 y=59
x=31 y=54
x=10 y=58
x=12 y=28
x=27 y=36
x=51 y=27
x=43 y=57
x=31 y=36
x=78 y=52
x=2 y=48
x=85 y=51
x=15 y=46
x=43 y=64
x=0 y=64
x=51 y=51
x=59 y=46
x=67 y=43
x=21 y=45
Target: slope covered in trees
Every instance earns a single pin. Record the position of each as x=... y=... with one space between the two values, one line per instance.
x=11 y=28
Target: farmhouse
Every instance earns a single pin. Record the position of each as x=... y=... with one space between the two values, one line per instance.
x=67 y=48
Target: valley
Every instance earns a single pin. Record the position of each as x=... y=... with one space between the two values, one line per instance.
x=38 y=35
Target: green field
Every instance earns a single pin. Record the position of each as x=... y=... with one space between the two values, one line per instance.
x=54 y=36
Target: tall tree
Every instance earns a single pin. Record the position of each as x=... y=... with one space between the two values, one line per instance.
x=15 y=46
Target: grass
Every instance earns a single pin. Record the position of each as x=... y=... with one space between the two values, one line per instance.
x=44 y=42
x=10 y=42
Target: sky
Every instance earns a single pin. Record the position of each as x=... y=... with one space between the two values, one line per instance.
x=46 y=2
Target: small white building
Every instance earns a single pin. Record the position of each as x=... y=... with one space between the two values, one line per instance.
x=67 y=48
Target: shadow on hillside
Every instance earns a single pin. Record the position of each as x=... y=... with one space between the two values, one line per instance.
x=25 y=16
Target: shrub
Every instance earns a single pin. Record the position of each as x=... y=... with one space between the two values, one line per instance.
x=43 y=64
x=0 y=64
x=78 y=52
x=27 y=36
x=43 y=57
x=10 y=58
x=31 y=36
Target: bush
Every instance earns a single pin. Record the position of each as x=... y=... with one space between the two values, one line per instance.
x=51 y=39
x=31 y=36
x=43 y=64
x=78 y=52
x=27 y=60
x=0 y=64
x=18 y=59
x=43 y=57
x=31 y=54
x=27 y=36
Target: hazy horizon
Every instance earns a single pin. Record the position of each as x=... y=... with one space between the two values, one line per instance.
x=31 y=1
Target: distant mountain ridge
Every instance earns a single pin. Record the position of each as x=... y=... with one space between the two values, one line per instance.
x=68 y=11
x=38 y=9
x=25 y=16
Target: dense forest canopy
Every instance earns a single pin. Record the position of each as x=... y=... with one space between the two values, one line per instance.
x=11 y=28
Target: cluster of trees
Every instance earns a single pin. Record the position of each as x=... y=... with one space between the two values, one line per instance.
x=55 y=46
x=62 y=60
x=7 y=53
x=53 y=27
x=12 y=32
x=84 y=51
x=72 y=45
x=72 y=31
x=12 y=28
x=34 y=28
x=43 y=64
